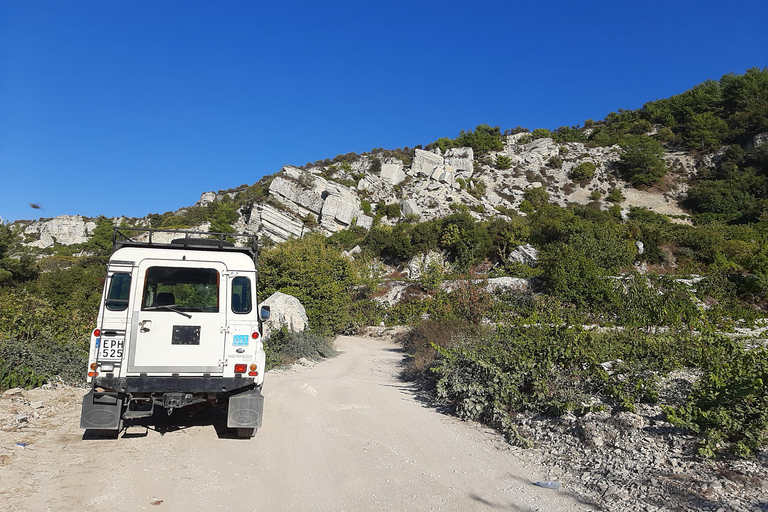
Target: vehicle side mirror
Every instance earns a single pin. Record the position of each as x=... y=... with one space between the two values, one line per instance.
x=264 y=313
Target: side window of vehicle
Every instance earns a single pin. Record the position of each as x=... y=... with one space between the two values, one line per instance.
x=119 y=290
x=241 y=295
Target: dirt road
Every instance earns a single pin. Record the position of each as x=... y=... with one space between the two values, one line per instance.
x=343 y=435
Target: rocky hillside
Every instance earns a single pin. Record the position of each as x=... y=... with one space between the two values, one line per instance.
x=330 y=196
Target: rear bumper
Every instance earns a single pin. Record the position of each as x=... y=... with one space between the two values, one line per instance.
x=219 y=385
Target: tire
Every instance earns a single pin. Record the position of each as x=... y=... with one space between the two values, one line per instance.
x=246 y=433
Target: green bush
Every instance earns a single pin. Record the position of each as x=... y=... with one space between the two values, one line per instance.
x=503 y=162
x=728 y=405
x=483 y=139
x=29 y=363
x=583 y=172
x=284 y=347
x=541 y=133
x=316 y=274
x=641 y=163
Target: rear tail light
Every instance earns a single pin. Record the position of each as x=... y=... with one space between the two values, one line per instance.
x=241 y=368
x=93 y=374
x=255 y=335
x=96 y=333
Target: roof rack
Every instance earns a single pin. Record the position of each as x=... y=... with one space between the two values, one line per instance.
x=185 y=239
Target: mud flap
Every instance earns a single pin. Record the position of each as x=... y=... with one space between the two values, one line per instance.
x=101 y=411
x=245 y=410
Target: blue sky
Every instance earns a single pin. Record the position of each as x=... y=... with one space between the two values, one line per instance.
x=131 y=107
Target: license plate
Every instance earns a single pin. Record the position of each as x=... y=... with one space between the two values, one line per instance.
x=111 y=349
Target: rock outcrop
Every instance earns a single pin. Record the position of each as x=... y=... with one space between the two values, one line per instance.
x=285 y=311
x=65 y=230
x=328 y=198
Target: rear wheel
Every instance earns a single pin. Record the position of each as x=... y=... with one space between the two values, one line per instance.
x=246 y=433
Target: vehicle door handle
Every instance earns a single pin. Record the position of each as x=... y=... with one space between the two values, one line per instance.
x=144 y=325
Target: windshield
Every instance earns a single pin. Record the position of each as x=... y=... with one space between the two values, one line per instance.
x=181 y=289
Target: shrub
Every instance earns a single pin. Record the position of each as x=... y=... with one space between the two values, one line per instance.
x=503 y=162
x=729 y=403
x=541 y=133
x=316 y=274
x=29 y=363
x=555 y=162
x=615 y=196
x=284 y=347
x=391 y=210
x=482 y=140
x=642 y=162
x=375 y=167
x=537 y=196
x=583 y=172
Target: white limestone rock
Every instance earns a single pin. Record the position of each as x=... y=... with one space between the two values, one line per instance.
x=757 y=141
x=275 y=224
x=425 y=162
x=206 y=198
x=526 y=254
x=409 y=207
x=285 y=311
x=66 y=230
x=341 y=206
x=296 y=197
x=422 y=262
x=392 y=172
x=461 y=159
x=364 y=221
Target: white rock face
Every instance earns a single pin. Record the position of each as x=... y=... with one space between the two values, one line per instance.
x=392 y=172
x=461 y=159
x=425 y=162
x=526 y=254
x=66 y=230
x=296 y=197
x=278 y=225
x=285 y=310
x=340 y=207
x=364 y=221
x=206 y=198
x=422 y=262
x=409 y=207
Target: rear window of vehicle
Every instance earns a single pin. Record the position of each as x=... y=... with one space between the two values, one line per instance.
x=119 y=291
x=241 y=295
x=181 y=289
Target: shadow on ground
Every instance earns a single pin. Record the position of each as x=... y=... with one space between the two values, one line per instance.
x=179 y=420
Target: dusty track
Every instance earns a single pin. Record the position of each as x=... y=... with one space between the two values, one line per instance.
x=343 y=435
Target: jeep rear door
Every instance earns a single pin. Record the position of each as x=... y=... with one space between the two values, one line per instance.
x=179 y=325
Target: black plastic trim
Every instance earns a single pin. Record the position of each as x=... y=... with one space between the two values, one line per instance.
x=226 y=385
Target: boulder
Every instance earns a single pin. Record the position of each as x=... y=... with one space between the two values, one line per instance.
x=425 y=162
x=285 y=311
x=365 y=221
x=392 y=172
x=206 y=198
x=526 y=254
x=409 y=207
x=461 y=159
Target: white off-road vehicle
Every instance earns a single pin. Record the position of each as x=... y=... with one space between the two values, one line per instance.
x=177 y=326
